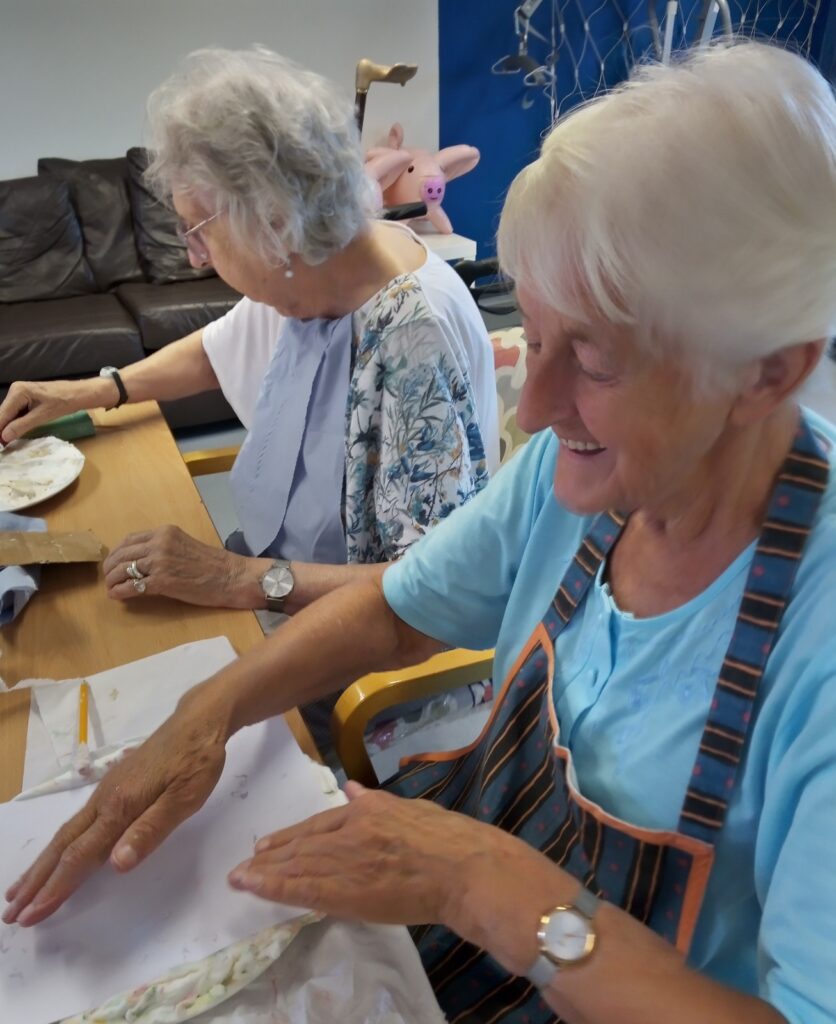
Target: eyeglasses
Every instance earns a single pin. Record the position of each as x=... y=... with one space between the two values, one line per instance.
x=192 y=237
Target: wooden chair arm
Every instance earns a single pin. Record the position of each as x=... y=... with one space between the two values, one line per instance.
x=378 y=691
x=212 y=460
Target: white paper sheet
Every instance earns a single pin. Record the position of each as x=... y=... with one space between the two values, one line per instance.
x=40 y=762
x=130 y=700
x=120 y=931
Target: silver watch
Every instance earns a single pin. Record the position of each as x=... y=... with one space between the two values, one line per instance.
x=565 y=936
x=277 y=584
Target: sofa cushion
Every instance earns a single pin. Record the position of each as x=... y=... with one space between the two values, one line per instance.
x=65 y=338
x=41 y=249
x=161 y=253
x=168 y=312
x=99 y=192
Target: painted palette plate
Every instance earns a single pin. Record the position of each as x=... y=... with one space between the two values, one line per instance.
x=32 y=470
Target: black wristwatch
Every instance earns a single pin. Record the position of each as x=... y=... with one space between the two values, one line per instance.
x=111 y=371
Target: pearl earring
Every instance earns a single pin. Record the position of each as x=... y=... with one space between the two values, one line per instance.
x=288 y=272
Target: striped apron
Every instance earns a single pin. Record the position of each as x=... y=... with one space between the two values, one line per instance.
x=519 y=777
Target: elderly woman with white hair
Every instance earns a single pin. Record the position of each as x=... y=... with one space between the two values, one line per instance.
x=644 y=830
x=357 y=359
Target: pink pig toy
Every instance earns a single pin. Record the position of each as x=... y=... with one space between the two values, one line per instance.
x=416 y=175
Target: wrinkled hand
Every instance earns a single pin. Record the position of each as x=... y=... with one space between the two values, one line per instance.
x=142 y=799
x=390 y=860
x=176 y=565
x=31 y=403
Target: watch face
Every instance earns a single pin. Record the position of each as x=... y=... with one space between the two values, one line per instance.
x=277 y=582
x=567 y=936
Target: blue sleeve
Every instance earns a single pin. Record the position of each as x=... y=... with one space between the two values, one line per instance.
x=794 y=860
x=454 y=584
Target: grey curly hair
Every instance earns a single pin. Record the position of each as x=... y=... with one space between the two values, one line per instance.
x=272 y=145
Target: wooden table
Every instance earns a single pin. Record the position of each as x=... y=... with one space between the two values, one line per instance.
x=134 y=479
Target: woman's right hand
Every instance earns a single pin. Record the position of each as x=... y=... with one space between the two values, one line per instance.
x=31 y=403
x=140 y=801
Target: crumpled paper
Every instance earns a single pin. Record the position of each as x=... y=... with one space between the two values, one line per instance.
x=190 y=989
x=17 y=584
x=322 y=971
x=338 y=971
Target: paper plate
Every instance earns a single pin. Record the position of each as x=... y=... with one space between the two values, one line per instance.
x=33 y=470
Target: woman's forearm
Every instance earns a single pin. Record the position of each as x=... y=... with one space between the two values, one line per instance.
x=346 y=634
x=632 y=976
x=180 y=369
x=310 y=582
x=176 y=371
x=635 y=977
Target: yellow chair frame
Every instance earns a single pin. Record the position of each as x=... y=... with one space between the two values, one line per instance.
x=379 y=691
x=210 y=460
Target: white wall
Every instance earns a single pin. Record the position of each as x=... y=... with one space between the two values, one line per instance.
x=75 y=74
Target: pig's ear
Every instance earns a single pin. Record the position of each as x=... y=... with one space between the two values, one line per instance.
x=396 y=135
x=457 y=160
x=387 y=165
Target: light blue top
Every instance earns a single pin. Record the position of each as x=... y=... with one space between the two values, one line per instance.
x=632 y=697
x=289 y=472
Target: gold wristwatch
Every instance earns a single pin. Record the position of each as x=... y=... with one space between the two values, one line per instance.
x=566 y=937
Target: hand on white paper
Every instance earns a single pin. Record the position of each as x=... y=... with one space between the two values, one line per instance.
x=176 y=565
x=138 y=803
x=385 y=859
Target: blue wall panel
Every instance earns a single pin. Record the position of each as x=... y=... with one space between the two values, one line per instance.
x=485 y=110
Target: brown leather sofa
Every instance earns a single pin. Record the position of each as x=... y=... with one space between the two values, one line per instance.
x=92 y=274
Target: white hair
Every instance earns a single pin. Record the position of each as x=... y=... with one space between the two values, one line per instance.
x=265 y=141
x=696 y=202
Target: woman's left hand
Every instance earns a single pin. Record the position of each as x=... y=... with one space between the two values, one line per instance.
x=173 y=564
x=391 y=860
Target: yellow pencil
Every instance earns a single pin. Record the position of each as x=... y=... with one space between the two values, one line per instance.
x=83 y=694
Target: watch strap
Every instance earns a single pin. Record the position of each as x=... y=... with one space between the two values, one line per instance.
x=114 y=374
x=544 y=969
x=542 y=972
x=586 y=902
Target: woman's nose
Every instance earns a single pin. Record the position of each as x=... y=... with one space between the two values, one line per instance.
x=546 y=396
x=198 y=260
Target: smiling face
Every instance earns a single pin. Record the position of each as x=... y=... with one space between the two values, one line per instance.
x=633 y=433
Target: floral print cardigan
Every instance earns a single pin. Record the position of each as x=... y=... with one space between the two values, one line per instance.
x=414 y=450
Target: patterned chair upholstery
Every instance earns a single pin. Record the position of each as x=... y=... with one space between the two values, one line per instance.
x=509 y=363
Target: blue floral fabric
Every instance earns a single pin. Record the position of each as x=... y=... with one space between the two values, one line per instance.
x=414 y=450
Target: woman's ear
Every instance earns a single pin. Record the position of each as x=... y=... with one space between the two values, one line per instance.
x=774 y=378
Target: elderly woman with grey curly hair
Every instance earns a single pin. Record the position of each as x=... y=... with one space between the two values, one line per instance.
x=357 y=360
x=644 y=831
